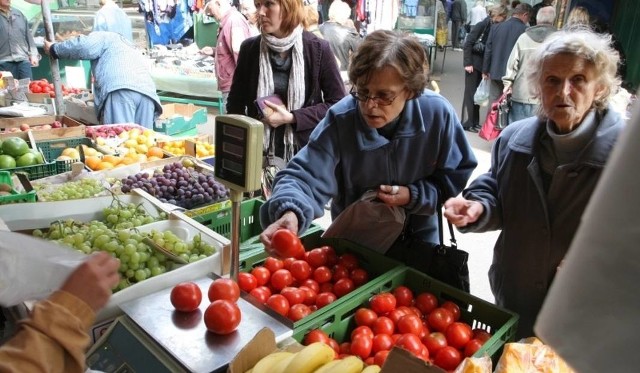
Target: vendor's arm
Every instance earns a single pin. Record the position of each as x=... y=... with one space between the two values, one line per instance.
x=82 y=47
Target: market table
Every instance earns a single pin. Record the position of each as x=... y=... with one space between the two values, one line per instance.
x=200 y=90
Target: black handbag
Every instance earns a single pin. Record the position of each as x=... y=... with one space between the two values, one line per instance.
x=444 y=263
x=271 y=164
x=478 y=46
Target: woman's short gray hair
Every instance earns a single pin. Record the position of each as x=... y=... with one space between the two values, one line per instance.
x=584 y=43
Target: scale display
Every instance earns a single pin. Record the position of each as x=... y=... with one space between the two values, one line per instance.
x=238 y=152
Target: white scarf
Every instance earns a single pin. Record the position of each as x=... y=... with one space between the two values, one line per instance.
x=296 y=90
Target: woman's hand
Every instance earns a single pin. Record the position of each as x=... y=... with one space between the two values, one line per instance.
x=279 y=115
x=288 y=221
x=93 y=280
x=468 y=69
x=394 y=195
x=460 y=211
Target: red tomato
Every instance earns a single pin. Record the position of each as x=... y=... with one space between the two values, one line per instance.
x=359 y=276
x=369 y=361
x=332 y=257
x=224 y=288
x=481 y=334
x=410 y=324
x=424 y=353
x=397 y=314
x=316 y=335
x=261 y=293
x=286 y=244
x=361 y=330
x=343 y=287
x=365 y=316
x=298 y=312
x=380 y=357
x=186 y=296
x=273 y=264
x=222 y=317
x=472 y=347
x=261 y=274
x=322 y=274
x=453 y=308
x=440 y=319
x=287 y=263
x=404 y=296
x=361 y=346
x=279 y=303
x=310 y=295
x=280 y=279
x=345 y=348
x=317 y=258
x=312 y=284
x=448 y=358
x=381 y=342
x=349 y=261
x=383 y=303
x=325 y=298
x=334 y=344
x=339 y=272
x=383 y=325
x=426 y=302
x=458 y=334
x=300 y=270
x=410 y=342
x=36 y=89
x=293 y=295
x=247 y=281
x=435 y=342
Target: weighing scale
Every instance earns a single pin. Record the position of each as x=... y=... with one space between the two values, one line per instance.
x=152 y=336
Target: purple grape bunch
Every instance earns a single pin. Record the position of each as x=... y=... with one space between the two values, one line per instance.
x=178 y=185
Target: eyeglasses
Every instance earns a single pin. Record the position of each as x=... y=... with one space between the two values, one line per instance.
x=379 y=101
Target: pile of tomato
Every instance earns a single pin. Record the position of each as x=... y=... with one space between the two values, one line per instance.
x=295 y=288
x=43 y=86
x=432 y=331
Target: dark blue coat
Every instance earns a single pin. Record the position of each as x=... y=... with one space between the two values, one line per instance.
x=502 y=38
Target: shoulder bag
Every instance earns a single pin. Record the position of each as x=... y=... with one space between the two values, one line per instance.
x=478 y=46
x=270 y=167
x=497 y=118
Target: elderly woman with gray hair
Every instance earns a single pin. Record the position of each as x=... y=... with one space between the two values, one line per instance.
x=544 y=170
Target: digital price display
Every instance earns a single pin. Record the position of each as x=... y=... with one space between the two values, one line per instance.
x=238 y=141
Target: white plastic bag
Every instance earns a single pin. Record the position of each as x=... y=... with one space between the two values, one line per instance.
x=32 y=268
x=481 y=97
x=369 y=223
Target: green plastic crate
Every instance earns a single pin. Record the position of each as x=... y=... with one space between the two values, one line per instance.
x=378 y=266
x=478 y=313
x=14 y=197
x=178 y=118
x=37 y=171
x=52 y=149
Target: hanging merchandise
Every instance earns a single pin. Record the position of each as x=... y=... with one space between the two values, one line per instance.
x=167 y=21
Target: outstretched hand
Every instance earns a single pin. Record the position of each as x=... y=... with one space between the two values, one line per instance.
x=461 y=211
x=288 y=221
x=93 y=280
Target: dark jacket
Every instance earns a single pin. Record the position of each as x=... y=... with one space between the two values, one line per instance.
x=459 y=11
x=479 y=30
x=502 y=38
x=324 y=86
x=537 y=226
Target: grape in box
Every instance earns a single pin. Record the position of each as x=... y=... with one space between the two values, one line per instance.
x=178 y=185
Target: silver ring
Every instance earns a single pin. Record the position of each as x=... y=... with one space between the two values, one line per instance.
x=395 y=189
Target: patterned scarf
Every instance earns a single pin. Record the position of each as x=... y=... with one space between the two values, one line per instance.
x=296 y=90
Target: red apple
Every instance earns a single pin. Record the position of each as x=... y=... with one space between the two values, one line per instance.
x=24 y=127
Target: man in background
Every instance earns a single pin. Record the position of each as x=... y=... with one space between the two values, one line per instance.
x=523 y=103
x=342 y=39
x=458 y=19
x=233 y=30
x=112 y=18
x=18 y=52
x=502 y=38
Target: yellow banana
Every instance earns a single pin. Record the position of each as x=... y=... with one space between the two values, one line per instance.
x=281 y=366
x=350 y=364
x=328 y=366
x=372 y=369
x=311 y=358
x=268 y=362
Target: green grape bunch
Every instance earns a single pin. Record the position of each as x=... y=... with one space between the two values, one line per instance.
x=84 y=188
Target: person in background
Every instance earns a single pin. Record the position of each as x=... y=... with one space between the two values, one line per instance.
x=292 y=63
x=120 y=95
x=478 y=13
x=55 y=336
x=536 y=8
x=578 y=16
x=233 y=29
x=18 y=51
x=523 y=103
x=112 y=18
x=343 y=40
x=544 y=170
x=249 y=11
x=472 y=62
x=458 y=19
x=311 y=20
x=501 y=40
x=371 y=139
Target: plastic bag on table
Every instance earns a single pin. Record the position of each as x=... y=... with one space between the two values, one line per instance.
x=31 y=268
x=481 y=97
x=530 y=355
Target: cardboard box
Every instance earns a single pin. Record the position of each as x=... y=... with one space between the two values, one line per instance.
x=81 y=107
x=70 y=127
x=178 y=118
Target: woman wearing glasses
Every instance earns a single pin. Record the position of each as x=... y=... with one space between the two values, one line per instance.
x=389 y=135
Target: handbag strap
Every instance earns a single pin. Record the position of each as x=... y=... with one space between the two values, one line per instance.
x=439 y=205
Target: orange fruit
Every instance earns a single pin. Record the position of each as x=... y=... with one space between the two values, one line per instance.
x=112 y=159
x=128 y=160
x=105 y=166
x=153 y=158
x=92 y=162
x=155 y=151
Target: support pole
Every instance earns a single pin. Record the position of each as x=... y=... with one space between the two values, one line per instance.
x=55 y=68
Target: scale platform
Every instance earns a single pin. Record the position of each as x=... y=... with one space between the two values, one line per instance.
x=185 y=337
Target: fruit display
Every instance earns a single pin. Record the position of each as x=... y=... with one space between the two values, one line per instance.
x=15 y=152
x=43 y=86
x=178 y=185
x=126 y=139
x=83 y=188
x=69 y=154
x=177 y=147
x=26 y=127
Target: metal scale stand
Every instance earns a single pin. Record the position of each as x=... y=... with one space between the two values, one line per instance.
x=153 y=337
